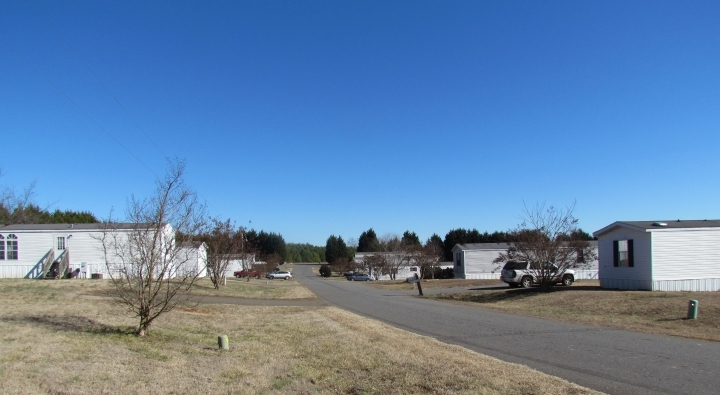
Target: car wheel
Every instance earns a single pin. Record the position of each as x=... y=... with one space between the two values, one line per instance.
x=567 y=280
x=287 y=278
x=257 y=277
x=526 y=282
x=513 y=285
x=352 y=279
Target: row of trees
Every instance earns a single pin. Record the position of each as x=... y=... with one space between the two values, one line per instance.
x=18 y=207
x=388 y=254
x=394 y=252
x=305 y=253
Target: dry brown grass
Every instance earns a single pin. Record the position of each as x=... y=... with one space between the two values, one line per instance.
x=434 y=284
x=61 y=337
x=586 y=303
x=255 y=288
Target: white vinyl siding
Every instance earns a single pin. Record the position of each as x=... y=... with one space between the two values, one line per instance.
x=687 y=254
x=684 y=259
x=479 y=264
x=34 y=246
x=637 y=277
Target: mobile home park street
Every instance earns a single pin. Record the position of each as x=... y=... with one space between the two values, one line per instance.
x=604 y=359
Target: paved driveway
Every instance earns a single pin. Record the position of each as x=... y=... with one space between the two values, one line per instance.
x=608 y=360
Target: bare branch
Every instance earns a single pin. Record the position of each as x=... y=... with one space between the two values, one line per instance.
x=143 y=258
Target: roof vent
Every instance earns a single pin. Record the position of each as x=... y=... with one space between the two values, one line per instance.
x=659 y=224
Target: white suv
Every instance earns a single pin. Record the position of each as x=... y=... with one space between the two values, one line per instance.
x=521 y=274
x=274 y=275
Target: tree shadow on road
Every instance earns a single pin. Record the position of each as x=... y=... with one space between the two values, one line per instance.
x=500 y=294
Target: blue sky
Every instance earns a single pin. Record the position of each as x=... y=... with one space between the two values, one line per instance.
x=313 y=118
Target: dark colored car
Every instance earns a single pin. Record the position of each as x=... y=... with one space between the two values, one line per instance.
x=359 y=277
x=245 y=273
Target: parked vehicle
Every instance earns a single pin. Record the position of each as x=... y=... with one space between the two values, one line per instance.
x=359 y=277
x=279 y=274
x=521 y=273
x=246 y=273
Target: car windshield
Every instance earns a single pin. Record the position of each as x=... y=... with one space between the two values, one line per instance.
x=515 y=265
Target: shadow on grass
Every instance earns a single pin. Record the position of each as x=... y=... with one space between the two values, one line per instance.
x=489 y=288
x=674 y=319
x=73 y=323
x=500 y=294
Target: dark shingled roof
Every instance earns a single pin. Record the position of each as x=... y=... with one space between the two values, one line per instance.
x=495 y=246
x=60 y=227
x=677 y=223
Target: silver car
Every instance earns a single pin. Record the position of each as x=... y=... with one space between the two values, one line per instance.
x=283 y=275
x=359 y=277
x=522 y=274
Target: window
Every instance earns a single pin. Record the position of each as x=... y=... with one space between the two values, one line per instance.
x=12 y=247
x=2 y=248
x=580 y=256
x=60 y=243
x=623 y=254
x=457 y=259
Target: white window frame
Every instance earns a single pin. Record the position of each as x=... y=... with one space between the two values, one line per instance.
x=13 y=249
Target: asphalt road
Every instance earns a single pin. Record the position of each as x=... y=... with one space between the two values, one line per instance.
x=607 y=360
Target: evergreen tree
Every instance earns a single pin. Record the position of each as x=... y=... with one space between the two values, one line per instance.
x=335 y=249
x=368 y=242
x=410 y=239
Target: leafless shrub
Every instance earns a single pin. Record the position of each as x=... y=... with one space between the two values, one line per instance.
x=548 y=239
x=224 y=242
x=145 y=266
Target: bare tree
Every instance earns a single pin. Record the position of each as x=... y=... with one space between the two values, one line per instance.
x=270 y=262
x=142 y=258
x=247 y=252
x=549 y=240
x=395 y=253
x=343 y=265
x=428 y=258
x=17 y=207
x=224 y=242
x=375 y=264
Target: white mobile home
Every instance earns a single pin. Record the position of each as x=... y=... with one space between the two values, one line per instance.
x=475 y=261
x=237 y=263
x=194 y=253
x=402 y=273
x=50 y=250
x=660 y=255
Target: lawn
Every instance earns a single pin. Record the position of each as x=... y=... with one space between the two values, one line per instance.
x=587 y=303
x=254 y=288
x=66 y=337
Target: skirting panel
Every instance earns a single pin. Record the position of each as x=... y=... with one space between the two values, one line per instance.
x=483 y=276
x=17 y=271
x=700 y=284
x=622 y=283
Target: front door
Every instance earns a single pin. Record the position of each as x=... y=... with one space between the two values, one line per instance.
x=59 y=244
